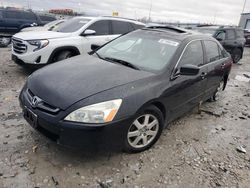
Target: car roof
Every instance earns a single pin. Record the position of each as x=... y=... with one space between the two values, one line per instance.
x=178 y=33
x=109 y=18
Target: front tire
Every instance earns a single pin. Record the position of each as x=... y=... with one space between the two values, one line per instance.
x=63 y=55
x=145 y=130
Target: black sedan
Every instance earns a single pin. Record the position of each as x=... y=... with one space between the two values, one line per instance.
x=124 y=93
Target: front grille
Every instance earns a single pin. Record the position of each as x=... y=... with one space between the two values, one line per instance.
x=42 y=105
x=19 y=46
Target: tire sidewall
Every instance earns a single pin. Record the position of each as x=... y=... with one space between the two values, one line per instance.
x=148 y=110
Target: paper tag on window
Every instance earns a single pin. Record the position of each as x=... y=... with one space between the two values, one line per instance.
x=169 y=42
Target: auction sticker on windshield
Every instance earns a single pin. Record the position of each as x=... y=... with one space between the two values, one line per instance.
x=169 y=42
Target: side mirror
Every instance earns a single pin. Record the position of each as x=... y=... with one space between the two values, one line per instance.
x=89 y=32
x=94 y=47
x=189 y=70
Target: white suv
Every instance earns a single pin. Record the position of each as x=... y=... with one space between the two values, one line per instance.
x=71 y=38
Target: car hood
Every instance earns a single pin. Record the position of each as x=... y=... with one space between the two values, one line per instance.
x=38 y=28
x=64 y=83
x=33 y=35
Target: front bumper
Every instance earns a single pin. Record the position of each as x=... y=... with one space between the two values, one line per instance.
x=78 y=135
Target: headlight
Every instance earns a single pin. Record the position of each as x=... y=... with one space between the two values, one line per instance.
x=98 y=113
x=38 y=43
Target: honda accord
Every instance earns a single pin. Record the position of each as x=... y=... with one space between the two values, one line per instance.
x=126 y=92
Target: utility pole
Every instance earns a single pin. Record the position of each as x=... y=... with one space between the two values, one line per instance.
x=150 y=9
x=244 y=5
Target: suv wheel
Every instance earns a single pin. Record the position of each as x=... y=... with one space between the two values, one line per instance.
x=237 y=55
x=63 y=55
x=5 y=41
x=144 y=131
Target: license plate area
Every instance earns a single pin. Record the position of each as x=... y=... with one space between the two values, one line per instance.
x=30 y=117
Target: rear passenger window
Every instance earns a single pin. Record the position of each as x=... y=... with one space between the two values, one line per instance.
x=136 y=26
x=230 y=34
x=193 y=54
x=1 y=14
x=13 y=15
x=100 y=27
x=120 y=27
x=212 y=51
x=239 y=33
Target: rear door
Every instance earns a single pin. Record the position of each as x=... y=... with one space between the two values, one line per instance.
x=14 y=19
x=2 y=22
x=188 y=91
x=215 y=61
x=230 y=42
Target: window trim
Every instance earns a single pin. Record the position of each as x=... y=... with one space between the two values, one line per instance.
x=175 y=75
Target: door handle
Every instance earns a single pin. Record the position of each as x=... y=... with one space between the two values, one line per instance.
x=203 y=75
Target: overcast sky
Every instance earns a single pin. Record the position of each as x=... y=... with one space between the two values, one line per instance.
x=209 y=11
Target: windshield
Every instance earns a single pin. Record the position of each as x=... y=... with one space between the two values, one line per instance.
x=72 y=25
x=147 y=50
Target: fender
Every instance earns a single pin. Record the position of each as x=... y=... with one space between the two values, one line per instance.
x=75 y=49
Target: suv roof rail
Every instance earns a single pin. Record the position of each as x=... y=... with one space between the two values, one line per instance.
x=119 y=18
x=168 y=27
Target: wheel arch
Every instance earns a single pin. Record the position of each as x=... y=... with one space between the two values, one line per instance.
x=157 y=104
x=60 y=49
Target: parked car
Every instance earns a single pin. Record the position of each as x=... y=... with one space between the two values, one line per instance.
x=71 y=38
x=48 y=27
x=231 y=38
x=247 y=36
x=12 y=21
x=46 y=18
x=124 y=93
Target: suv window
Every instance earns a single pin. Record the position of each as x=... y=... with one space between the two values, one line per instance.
x=220 y=35
x=13 y=14
x=212 y=51
x=230 y=34
x=46 y=18
x=29 y=16
x=121 y=27
x=239 y=33
x=100 y=27
x=1 y=14
x=193 y=54
x=136 y=26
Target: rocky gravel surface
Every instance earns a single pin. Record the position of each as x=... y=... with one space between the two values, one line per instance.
x=206 y=149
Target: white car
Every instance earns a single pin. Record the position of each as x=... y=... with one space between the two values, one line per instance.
x=47 y=27
x=73 y=37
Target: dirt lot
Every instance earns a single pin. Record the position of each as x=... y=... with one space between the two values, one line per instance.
x=198 y=150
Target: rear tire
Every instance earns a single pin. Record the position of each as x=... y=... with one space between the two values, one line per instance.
x=218 y=93
x=145 y=130
x=237 y=55
x=63 y=55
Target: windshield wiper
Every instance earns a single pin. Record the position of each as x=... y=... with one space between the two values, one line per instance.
x=122 y=62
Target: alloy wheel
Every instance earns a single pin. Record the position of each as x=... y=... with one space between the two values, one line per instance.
x=143 y=131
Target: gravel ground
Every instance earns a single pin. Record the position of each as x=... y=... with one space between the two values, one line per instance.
x=198 y=150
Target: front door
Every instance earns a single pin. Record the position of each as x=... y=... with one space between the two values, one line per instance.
x=187 y=91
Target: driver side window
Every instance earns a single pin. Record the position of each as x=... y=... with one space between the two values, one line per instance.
x=193 y=55
x=101 y=27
